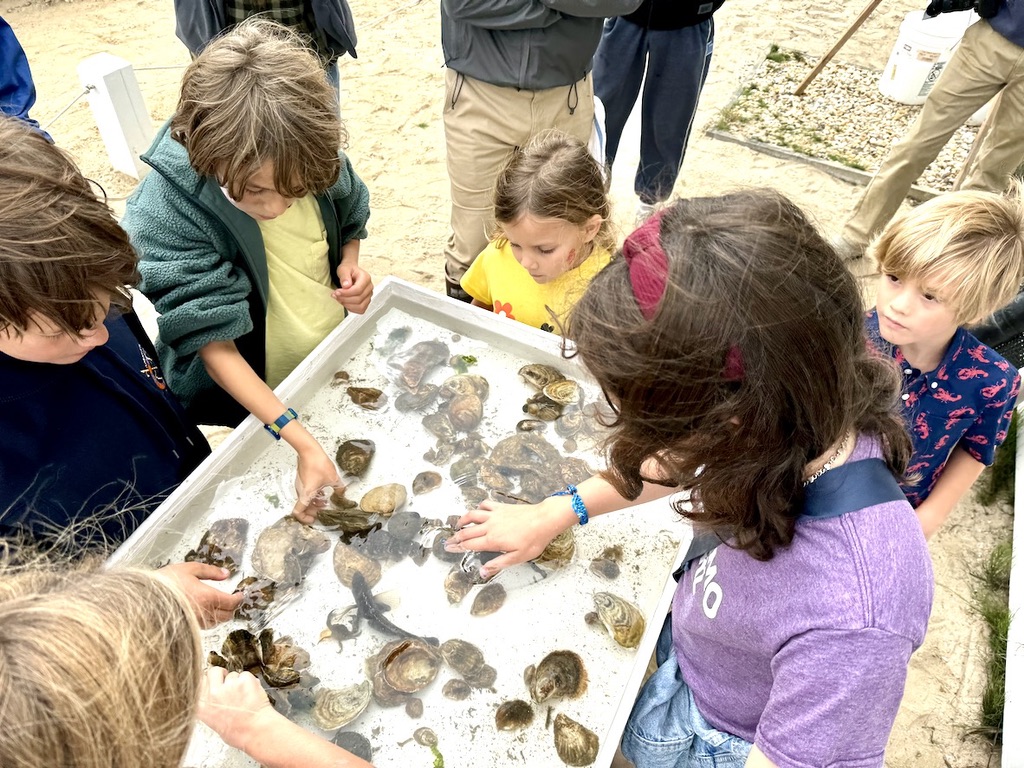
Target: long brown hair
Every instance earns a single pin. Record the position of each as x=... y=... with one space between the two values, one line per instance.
x=753 y=364
x=62 y=252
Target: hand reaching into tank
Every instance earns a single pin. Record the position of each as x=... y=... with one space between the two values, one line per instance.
x=316 y=476
x=520 y=531
x=211 y=605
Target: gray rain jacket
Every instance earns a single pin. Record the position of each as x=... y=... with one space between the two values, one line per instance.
x=531 y=45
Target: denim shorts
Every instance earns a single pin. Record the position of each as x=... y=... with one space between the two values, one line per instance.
x=665 y=729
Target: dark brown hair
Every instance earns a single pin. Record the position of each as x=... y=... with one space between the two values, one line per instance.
x=746 y=271
x=254 y=94
x=553 y=177
x=62 y=254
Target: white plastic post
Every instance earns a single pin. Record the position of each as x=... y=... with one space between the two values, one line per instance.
x=119 y=111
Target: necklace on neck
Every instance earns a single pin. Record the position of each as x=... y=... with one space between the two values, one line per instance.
x=831 y=461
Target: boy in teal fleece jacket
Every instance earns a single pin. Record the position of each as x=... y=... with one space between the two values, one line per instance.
x=249 y=229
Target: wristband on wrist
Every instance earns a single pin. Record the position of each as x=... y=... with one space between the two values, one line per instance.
x=275 y=428
x=577 y=503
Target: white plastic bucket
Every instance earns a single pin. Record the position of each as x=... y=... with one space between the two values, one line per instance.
x=923 y=48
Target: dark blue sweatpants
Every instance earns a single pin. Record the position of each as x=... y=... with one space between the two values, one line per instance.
x=677 y=62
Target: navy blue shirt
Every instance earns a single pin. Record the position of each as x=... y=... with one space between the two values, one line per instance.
x=1009 y=21
x=102 y=439
x=966 y=401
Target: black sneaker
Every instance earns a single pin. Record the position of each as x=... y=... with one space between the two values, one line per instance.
x=455 y=291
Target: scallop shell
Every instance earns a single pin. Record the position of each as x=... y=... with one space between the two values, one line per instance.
x=488 y=600
x=411 y=666
x=621 y=618
x=513 y=715
x=462 y=656
x=384 y=499
x=563 y=392
x=348 y=560
x=575 y=744
x=560 y=674
x=336 y=707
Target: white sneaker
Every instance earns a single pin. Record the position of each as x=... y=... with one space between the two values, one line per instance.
x=643 y=212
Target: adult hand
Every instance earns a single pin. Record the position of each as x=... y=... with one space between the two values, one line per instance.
x=212 y=606
x=356 y=288
x=520 y=531
x=315 y=478
x=234 y=705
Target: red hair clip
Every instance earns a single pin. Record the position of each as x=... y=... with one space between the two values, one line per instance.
x=648 y=265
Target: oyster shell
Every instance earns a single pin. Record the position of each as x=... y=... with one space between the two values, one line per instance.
x=349 y=561
x=570 y=422
x=257 y=595
x=456 y=689
x=525 y=451
x=559 y=551
x=563 y=392
x=465 y=412
x=425 y=482
x=621 y=618
x=415 y=363
x=513 y=715
x=414 y=707
x=418 y=399
x=222 y=545
x=411 y=665
x=575 y=744
x=348 y=520
x=538 y=375
x=464 y=471
x=425 y=736
x=560 y=674
x=531 y=425
x=285 y=550
x=354 y=456
x=462 y=656
x=457 y=583
x=483 y=677
x=384 y=694
x=488 y=600
x=442 y=554
x=440 y=426
x=473 y=495
x=441 y=452
x=336 y=707
x=370 y=398
x=405 y=524
x=465 y=384
x=543 y=407
x=384 y=499
x=355 y=743
x=607 y=563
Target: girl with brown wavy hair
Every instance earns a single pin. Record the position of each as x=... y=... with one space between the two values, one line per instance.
x=728 y=339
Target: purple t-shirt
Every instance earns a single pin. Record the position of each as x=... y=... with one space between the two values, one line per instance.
x=806 y=655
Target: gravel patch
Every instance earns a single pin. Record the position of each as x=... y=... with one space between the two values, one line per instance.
x=841 y=117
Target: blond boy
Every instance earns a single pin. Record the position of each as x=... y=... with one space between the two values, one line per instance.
x=248 y=228
x=944 y=265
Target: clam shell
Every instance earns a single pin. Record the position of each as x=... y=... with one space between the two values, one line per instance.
x=560 y=674
x=348 y=560
x=575 y=744
x=513 y=715
x=563 y=392
x=621 y=618
x=411 y=666
x=488 y=600
x=384 y=499
x=336 y=707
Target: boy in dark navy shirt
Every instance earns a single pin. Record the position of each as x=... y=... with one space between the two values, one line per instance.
x=93 y=439
x=948 y=263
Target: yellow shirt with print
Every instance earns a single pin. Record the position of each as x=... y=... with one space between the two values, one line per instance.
x=496 y=279
x=300 y=310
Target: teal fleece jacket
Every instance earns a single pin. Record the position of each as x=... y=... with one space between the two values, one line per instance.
x=204 y=267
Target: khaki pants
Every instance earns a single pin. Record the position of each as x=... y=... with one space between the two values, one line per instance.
x=482 y=124
x=984 y=64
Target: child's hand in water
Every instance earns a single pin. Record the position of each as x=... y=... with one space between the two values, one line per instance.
x=356 y=288
x=212 y=606
x=521 y=531
x=315 y=478
x=234 y=705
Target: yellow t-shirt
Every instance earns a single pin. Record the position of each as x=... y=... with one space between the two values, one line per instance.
x=300 y=310
x=495 y=278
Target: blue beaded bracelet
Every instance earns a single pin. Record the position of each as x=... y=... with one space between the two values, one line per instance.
x=577 y=503
x=275 y=428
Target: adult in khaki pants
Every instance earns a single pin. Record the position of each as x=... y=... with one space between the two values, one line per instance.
x=515 y=69
x=989 y=60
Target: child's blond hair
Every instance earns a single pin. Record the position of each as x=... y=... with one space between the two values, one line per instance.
x=97 y=668
x=62 y=252
x=254 y=94
x=553 y=177
x=967 y=247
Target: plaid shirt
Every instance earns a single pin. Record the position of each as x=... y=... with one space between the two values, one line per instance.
x=296 y=14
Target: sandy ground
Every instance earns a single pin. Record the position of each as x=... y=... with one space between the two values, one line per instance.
x=392 y=97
